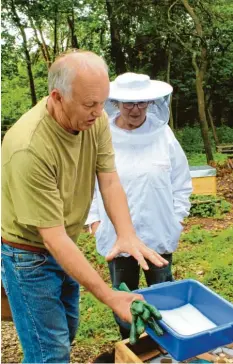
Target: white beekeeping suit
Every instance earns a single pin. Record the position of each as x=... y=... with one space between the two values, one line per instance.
x=154 y=173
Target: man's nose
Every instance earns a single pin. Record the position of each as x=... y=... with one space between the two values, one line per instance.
x=98 y=111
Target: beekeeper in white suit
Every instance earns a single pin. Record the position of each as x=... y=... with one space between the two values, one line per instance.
x=154 y=173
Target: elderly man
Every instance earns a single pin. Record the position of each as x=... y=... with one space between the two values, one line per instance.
x=49 y=161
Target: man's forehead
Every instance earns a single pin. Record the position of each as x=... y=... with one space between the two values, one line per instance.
x=93 y=88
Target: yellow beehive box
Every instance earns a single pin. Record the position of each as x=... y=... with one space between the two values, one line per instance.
x=204 y=180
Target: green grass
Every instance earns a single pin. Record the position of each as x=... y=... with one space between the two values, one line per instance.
x=206 y=256
x=199 y=159
x=97 y=323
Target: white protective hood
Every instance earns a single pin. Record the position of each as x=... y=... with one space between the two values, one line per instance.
x=154 y=173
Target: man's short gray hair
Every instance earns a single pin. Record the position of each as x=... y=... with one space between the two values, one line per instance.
x=64 y=69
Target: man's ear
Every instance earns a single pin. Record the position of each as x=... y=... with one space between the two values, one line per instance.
x=55 y=95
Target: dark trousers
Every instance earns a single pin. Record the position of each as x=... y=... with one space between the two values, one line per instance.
x=127 y=269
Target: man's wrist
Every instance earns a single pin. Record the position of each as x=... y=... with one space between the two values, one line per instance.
x=109 y=297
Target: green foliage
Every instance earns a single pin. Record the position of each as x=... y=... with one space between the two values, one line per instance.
x=191 y=140
x=144 y=37
x=196 y=235
x=199 y=159
x=97 y=322
x=208 y=206
x=86 y=244
x=225 y=134
x=220 y=279
x=209 y=261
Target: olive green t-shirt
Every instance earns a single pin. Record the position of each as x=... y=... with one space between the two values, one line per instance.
x=48 y=174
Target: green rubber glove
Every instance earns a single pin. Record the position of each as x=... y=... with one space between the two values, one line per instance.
x=143 y=314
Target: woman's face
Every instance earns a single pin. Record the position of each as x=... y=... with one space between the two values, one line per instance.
x=132 y=115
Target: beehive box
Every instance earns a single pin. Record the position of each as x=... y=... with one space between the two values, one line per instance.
x=203 y=180
x=147 y=350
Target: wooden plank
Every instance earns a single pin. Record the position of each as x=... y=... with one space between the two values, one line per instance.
x=195 y=202
x=204 y=185
x=224 y=148
x=124 y=355
x=208 y=357
x=146 y=349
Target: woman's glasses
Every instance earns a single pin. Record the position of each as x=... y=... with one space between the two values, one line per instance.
x=130 y=105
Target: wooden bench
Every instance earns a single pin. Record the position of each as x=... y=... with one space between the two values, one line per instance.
x=225 y=149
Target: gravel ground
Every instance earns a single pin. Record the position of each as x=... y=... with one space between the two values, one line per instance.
x=11 y=351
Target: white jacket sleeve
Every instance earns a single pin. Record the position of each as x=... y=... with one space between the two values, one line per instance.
x=94 y=210
x=180 y=178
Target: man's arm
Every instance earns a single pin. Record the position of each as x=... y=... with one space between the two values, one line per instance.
x=93 y=219
x=76 y=265
x=116 y=206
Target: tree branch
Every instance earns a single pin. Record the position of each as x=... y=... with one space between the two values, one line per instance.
x=194 y=17
x=194 y=62
x=169 y=10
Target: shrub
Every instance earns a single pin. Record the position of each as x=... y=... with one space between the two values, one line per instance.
x=208 y=206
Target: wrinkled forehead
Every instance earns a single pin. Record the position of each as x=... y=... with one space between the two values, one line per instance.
x=92 y=85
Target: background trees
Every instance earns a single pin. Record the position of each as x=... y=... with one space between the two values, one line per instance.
x=186 y=42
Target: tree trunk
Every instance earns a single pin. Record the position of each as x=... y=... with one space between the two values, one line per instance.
x=213 y=127
x=177 y=111
x=200 y=74
x=26 y=53
x=171 y=120
x=45 y=47
x=55 y=46
x=42 y=44
x=71 y=23
x=117 y=54
x=202 y=117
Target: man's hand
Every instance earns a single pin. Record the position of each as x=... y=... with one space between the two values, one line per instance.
x=136 y=248
x=120 y=303
x=94 y=227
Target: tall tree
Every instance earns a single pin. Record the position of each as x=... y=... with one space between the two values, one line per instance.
x=197 y=45
x=117 y=53
x=71 y=23
x=11 y=7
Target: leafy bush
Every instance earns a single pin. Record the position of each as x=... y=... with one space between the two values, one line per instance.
x=225 y=134
x=191 y=139
x=196 y=235
x=220 y=278
x=208 y=206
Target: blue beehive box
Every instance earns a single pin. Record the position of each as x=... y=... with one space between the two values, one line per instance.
x=171 y=295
